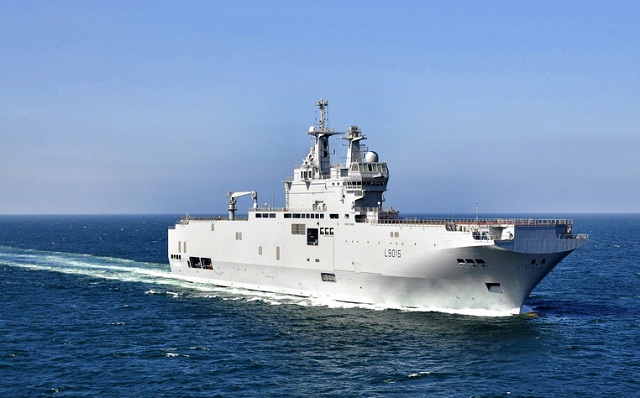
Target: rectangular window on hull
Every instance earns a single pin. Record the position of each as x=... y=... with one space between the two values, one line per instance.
x=328 y=277
x=494 y=287
x=194 y=262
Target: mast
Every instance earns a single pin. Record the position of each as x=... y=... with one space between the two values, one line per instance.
x=323 y=104
x=354 y=136
x=320 y=154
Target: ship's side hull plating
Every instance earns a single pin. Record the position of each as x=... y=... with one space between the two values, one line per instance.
x=413 y=266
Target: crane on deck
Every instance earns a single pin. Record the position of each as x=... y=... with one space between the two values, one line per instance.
x=233 y=198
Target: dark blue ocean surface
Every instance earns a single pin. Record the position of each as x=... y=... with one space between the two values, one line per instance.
x=90 y=309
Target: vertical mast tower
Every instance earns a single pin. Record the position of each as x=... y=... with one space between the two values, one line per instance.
x=319 y=157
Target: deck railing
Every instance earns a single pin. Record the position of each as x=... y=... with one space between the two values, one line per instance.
x=468 y=222
x=477 y=221
x=419 y=221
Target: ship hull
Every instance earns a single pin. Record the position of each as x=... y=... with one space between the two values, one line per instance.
x=428 y=268
x=469 y=292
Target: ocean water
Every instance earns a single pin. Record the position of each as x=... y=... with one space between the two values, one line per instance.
x=90 y=309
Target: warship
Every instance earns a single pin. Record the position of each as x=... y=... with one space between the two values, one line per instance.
x=334 y=240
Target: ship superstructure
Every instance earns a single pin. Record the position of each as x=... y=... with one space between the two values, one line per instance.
x=334 y=239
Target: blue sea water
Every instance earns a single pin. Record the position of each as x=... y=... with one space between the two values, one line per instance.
x=89 y=308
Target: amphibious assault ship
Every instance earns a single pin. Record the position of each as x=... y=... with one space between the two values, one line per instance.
x=333 y=239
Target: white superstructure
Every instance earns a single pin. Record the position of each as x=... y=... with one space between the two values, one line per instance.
x=334 y=239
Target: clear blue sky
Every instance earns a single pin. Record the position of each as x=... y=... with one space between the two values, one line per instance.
x=163 y=107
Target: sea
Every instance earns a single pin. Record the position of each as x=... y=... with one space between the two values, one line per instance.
x=89 y=308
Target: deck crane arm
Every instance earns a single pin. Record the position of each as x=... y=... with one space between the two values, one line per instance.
x=233 y=198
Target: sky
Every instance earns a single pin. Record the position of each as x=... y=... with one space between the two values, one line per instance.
x=118 y=107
